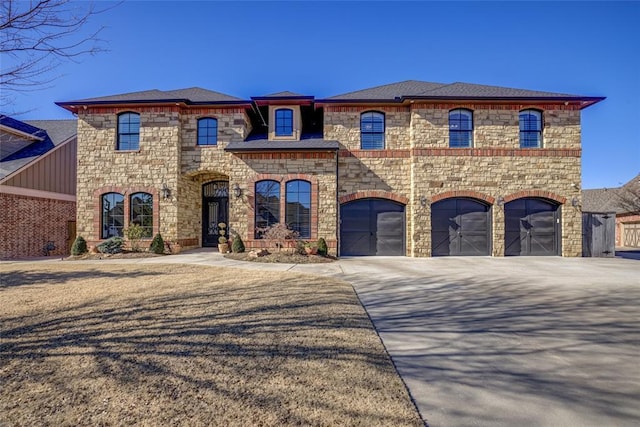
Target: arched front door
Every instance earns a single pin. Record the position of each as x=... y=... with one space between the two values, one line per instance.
x=372 y=227
x=531 y=227
x=215 y=209
x=460 y=226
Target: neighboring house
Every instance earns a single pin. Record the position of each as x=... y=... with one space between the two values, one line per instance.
x=411 y=168
x=37 y=187
x=624 y=201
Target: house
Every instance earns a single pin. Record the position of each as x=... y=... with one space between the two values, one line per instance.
x=624 y=202
x=411 y=168
x=37 y=187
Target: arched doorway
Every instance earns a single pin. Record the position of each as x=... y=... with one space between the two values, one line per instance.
x=460 y=227
x=215 y=209
x=372 y=227
x=531 y=227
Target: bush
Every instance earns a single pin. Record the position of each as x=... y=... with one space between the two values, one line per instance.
x=134 y=233
x=322 y=247
x=79 y=246
x=279 y=233
x=111 y=246
x=157 y=245
x=238 y=245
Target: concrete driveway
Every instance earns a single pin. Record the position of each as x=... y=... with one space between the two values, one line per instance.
x=510 y=341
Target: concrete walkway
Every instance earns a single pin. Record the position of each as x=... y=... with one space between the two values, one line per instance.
x=498 y=341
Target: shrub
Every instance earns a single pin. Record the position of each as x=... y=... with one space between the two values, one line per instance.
x=134 y=233
x=278 y=232
x=322 y=247
x=111 y=246
x=238 y=245
x=157 y=245
x=79 y=246
x=222 y=240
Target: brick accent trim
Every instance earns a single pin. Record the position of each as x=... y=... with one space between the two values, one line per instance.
x=126 y=192
x=286 y=155
x=362 y=108
x=497 y=152
x=377 y=194
x=282 y=179
x=535 y=193
x=496 y=106
x=376 y=154
x=463 y=193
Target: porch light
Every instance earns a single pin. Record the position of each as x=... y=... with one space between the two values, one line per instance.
x=423 y=201
x=237 y=191
x=500 y=201
x=166 y=191
x=575 y=202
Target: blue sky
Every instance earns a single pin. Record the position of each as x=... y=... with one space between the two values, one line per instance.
x=326 y=48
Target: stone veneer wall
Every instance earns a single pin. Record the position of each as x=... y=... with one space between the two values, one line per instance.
x=420 y=165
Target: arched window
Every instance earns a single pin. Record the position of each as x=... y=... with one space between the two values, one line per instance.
x=284 y=122
x=371 y=130
x=460 y=128
x=128 y=131
x=207 y=131
x=141 y=212
x=267 y=205
x=298 y=207
x=112 y=215
x=530 y=129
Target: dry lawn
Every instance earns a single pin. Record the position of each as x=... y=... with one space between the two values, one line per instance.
x=92 y=344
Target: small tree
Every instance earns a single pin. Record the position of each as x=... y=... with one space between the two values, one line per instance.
x=322 y=247
x=134 y=233
x=222 y=226
x=157 y=245
x=79 y=246
x=238 y=245
x=278 y=232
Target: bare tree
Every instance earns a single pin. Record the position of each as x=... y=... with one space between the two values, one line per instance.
x=37 y=36
x=628 y=196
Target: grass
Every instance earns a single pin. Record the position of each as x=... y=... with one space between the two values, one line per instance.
x=89 y=344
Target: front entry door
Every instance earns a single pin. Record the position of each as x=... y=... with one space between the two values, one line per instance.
x=215 y=209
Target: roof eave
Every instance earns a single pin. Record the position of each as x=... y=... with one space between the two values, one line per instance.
x=73 y=106
x=280 y=149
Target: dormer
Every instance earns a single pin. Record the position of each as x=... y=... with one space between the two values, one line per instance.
x=284 y=119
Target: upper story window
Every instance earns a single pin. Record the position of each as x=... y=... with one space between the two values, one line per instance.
x=298 y=207
x=141 y=211
x=112 y=222
x=207 y=131
x=371 y=130
x=267 y=205
x=460 y=128
x=284 y=122
x=530 y=129
x=128 y=131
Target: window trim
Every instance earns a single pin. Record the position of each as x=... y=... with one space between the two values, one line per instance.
x=539 y=132
x=148 y=228
x=215 y=137
x=276 y=214
x=287 y=212
x=381 y=133
x=104 y=228
x=120 y=133
x=275 y=120
x=470 y=131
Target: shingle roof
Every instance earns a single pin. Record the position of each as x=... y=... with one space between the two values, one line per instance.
x=262 y=145
x=52 y=133
x=283 y=94
x=623 y=199
x=194 y=95
x=420 y=89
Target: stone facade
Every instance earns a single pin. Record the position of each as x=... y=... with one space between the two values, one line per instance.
x=416 y=168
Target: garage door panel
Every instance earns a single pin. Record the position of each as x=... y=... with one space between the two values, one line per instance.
x=474 y=244
x=372 y=227
x=441 y=243
x=531 y=227
x=460 y=227
x=355 y=243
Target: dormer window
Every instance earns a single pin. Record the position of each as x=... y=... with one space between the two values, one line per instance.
x=284 y=122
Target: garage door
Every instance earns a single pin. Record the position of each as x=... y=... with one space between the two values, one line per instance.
x=631 y=234
x=532 y=227
x=460 y=227
x=372 y=227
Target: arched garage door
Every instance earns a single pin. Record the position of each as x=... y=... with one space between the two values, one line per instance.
x=460 y=226
x=372 y=227
x=532 y=227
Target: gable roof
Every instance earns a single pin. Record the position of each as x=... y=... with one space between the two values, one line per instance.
x=49 y=133
x=189 y=96
x=623 y=199
x=415 y=89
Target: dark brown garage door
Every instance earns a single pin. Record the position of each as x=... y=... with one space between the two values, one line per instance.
x=532 y=227
x=460 y=227
x=372 y=227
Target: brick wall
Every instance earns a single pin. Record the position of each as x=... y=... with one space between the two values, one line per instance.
x=28 y=223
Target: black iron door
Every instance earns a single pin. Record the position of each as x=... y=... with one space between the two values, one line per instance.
x=372 y=227
x=532 y=227
x=460 y=227
x=215 y=209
